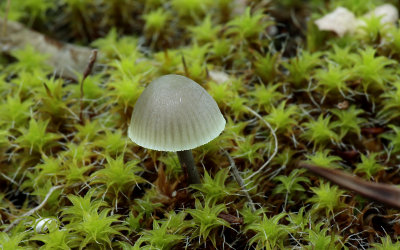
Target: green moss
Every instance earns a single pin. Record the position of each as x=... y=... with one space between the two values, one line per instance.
x=206 y=219
x=320 y=131
x=322 y=158
x=269 y=233
x=326 y=197
x=369 y=165
x=329 y=101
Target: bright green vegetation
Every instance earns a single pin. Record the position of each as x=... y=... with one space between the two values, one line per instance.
x=331 y=101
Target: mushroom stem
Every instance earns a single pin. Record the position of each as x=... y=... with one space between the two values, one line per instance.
x=187 y=163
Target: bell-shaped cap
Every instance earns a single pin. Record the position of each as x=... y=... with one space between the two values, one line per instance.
x=174 y=113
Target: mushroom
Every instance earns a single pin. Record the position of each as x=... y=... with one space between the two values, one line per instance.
x=174 y=113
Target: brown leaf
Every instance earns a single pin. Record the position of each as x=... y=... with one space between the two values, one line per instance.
x=349 y=155
x=384 y=193
x=231 y=218
x=373 y=131
x=163 y=185
x=66 y=59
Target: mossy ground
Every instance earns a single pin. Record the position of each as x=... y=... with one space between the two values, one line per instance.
x=330 y=101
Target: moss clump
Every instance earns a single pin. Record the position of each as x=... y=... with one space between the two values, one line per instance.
x=78 y=183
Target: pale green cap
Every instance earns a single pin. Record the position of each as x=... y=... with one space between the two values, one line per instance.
x=174 y=113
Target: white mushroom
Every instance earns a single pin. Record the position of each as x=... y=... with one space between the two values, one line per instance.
x=174 y=113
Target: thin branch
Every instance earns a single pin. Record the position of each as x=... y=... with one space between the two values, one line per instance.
x=275 y=141
x=9 y=179
x=48 y=92
x=33 y=210
x=185 y=66
x=88 y=70
x=6 y=18
x=239 y=179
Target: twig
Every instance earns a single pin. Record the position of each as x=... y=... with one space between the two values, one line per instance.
x=385 y=193
x=6 y=18
x=88 y=70
x=47 y=90
x=9 y=179
x=275 y=140
x=239 y=179
x=33 y=210
x=185 y=66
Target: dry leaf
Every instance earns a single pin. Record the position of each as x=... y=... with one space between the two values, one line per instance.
x=66 y=59
x=384 y=193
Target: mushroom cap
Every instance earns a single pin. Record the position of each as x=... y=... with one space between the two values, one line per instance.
x=174 y=113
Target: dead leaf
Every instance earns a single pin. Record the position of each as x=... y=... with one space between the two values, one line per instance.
x=66 y=59
x=373 y=131
x=230 y=218
x=384 y=193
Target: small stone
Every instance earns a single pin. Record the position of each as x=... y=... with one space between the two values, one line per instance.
x=218 y=76
x=388 y=13
x=340 y=21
